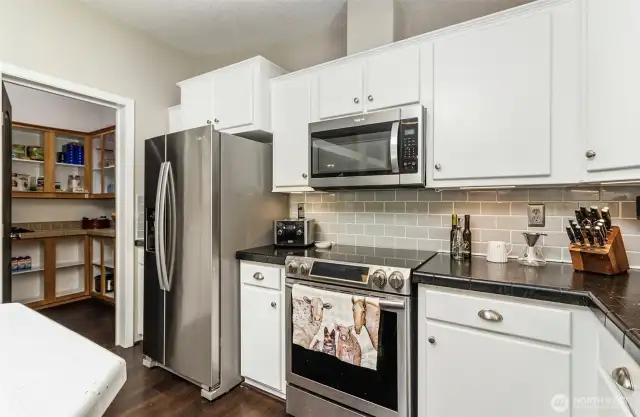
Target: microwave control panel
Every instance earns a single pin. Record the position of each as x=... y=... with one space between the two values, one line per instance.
x=408 y=144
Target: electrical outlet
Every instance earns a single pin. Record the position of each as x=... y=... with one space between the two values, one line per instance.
x=535 y=213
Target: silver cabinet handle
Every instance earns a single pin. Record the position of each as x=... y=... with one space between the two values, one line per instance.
x=438 y=167
x=370 y=98
x=432 y=340
x=490 y=315
x=273 y=304
x=304 y=175
x=216 y=121
x=258 y=276
x=356 y=100
x=590 y=153
x=623 y=378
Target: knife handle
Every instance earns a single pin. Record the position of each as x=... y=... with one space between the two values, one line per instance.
x=590 y=237
x=606 y=216
x=572 y=237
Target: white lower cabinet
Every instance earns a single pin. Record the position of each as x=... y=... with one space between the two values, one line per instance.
x=477 y=373
x=262 y=326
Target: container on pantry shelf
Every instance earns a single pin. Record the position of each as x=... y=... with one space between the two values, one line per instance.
x=36 y=183
x=35 y=153
x=20 y=263
x=14 y=264
x=18 y=151
x=27 y=262
x=19 y=182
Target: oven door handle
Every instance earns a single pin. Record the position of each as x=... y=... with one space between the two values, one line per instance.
x=393 y=147
x=391 y=305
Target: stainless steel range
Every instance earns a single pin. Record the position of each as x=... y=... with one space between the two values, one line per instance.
x=319 y=385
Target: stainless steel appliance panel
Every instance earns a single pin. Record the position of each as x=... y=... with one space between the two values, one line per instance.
x=153 y=306
x=399 y=305
x=192 y=165
x=247 y=211
x=6 y=195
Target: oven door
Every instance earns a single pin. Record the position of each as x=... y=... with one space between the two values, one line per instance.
x=385 y=392
x=355 y=151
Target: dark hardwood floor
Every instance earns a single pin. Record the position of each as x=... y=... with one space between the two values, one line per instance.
x=156 y=392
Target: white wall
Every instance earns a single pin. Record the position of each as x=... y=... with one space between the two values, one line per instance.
x=26 y=210
x=47 y=109
x=69 y=40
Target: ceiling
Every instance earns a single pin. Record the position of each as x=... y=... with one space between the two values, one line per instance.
x=203 y=27
x=206 y=27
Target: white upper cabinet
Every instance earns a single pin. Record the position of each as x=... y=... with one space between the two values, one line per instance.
x=233 y=100
x=196 y=101
x=613 y=87
x=236 y=99
x=339 y=90
x=290 y=106
x=504 y=100
x=392 y=78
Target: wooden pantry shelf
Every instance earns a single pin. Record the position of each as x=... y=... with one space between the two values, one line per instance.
x=103 y=196
x=106 y=298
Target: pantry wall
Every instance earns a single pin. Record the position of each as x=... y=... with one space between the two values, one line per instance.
x=63 y=199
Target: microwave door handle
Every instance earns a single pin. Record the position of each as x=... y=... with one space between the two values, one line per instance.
x=393 y=147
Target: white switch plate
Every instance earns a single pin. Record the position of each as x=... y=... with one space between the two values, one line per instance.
x=536 y=215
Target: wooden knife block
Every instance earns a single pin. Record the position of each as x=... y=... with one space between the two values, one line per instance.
x=611 y=259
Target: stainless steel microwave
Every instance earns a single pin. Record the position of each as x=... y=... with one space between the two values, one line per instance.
x=381 y=149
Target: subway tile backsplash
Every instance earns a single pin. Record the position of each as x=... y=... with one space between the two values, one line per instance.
x=421 y=219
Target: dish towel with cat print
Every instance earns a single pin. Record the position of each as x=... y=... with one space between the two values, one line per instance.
x=336 y=324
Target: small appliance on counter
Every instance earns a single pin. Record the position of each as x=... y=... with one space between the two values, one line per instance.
x=294 y=232
x=532 y=255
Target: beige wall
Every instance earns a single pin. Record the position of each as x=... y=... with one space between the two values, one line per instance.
x=414 y=17
x=69 y=40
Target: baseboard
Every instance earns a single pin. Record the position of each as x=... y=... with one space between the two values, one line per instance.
x=266 y=389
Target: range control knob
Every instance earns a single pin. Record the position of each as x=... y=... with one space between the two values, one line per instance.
x=304 y=269
x=280 y=232
x=299 y=232
x=292 y=267
x=379 y=278
x=396 y=280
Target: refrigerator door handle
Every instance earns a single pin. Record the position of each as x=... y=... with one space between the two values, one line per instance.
x=172 y=225
x=162 y=234
x=159 y=226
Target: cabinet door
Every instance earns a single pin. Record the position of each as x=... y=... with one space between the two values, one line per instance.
x=196 y=102
x=475 y=373
x=261 y=332
x=233 y=99
x=290 y=122
x=612 y=402
x=392 y=78
x=492 y=97
x=175 y=118
x=339 y=90
x=613 y=84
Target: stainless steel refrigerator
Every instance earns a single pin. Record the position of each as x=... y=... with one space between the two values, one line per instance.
x=207 y=195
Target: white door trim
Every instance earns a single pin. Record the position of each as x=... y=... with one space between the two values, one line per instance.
x=125 y=136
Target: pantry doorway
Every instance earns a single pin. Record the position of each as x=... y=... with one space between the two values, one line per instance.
x=122 y=171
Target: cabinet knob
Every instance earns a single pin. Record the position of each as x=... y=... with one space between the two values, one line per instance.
x=438 y=167
x=304 y=175
x=216 y=121
x=208 y=122
x=356 y=100
x=370 y=98
x=622 y=377
x=258 y=276
x=590 y=154
x=273 y=304
x=432 y=340
x=490 y=315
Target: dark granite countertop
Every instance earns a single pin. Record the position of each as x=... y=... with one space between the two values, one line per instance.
x=614 y=299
